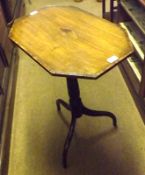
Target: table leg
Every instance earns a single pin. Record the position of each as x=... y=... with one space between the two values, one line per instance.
x=60 y=102
x=77 y=110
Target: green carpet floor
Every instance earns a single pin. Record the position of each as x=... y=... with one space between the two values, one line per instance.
x=38 y=131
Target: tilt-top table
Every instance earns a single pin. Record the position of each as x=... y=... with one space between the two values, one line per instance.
x=72 y=43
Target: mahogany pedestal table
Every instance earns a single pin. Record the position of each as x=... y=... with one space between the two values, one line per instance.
x=67 y=41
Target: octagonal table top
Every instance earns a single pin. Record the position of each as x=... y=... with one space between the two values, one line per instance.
x=68 y=41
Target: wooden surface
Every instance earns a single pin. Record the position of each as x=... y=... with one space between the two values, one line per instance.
x=68 y=41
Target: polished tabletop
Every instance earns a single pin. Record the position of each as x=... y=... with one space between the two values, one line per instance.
x=68 y=41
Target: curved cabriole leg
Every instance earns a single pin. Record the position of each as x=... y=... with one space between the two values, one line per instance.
x=95 y=113
x=68 y=141
x=60 y=102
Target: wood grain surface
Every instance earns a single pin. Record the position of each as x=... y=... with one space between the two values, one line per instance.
x=68 y=41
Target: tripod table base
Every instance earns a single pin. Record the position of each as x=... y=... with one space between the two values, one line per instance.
x=77 y=109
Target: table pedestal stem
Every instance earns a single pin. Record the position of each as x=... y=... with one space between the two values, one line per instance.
x=77 y=110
